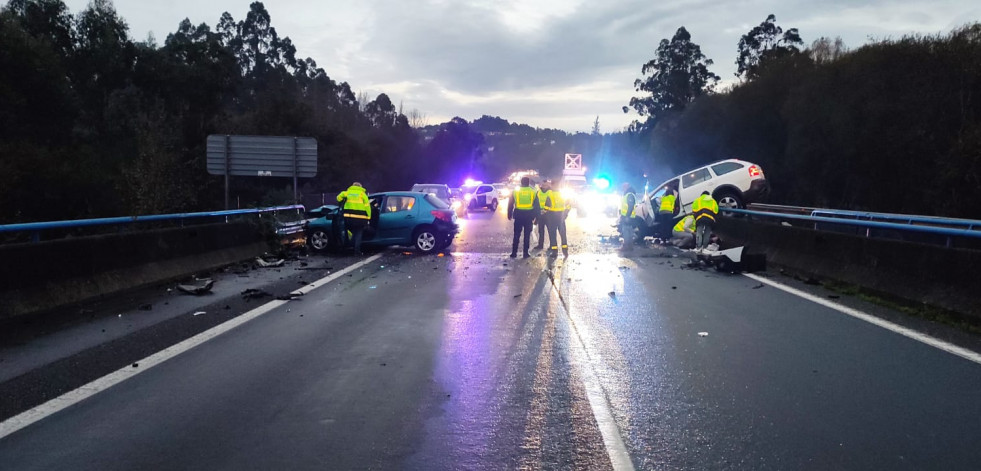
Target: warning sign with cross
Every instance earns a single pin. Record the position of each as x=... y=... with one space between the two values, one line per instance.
x=573 y=161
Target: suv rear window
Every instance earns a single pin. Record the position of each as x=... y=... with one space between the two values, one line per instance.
x=726 y=167
x=436 y=202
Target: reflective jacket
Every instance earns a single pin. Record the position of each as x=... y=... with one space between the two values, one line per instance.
x=524 y=198
x=667 y=203
x=625 y=205
x=705 y=207
x=554 y=201
x=541 y=197
x=356 y=204
x=686 y=224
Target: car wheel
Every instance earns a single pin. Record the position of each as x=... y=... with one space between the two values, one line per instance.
x=494 y=205
x=425 y=239
x=729 y=200
x=318 y=240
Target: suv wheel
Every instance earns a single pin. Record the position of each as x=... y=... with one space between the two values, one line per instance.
x=729 y=200
x=493 y=205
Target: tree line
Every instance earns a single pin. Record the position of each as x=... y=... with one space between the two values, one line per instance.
x=94 y=123
x=892 y=126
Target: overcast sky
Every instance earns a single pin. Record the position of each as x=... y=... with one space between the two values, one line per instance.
x=546 y=63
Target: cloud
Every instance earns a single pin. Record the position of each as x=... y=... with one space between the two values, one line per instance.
x=556 y=63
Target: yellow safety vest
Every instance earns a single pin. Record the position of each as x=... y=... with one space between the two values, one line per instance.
x=705 y=207
x=624 y=205
x=541 y=198
x=356 y=204
x=667 y=203
x=680 y=227
x=555 y=201
x=524 y=198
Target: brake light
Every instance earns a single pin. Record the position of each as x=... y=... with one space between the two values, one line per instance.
x=755 y=171
x=442 y=215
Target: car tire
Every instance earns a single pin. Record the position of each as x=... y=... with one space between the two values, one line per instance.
x=318 y=240
x=729 y=200
x=426 y=239
x=493 y=205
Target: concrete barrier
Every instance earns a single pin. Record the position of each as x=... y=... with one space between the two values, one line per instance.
x=930 y=274
x=41 y=276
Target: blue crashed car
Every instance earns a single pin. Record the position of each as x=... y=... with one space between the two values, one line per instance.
x=407 y=218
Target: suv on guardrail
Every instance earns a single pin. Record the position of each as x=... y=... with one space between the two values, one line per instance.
x=733 y=183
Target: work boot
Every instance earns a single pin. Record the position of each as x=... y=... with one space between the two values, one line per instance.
x=565 y=253
x=526 y=255
x=514 y=254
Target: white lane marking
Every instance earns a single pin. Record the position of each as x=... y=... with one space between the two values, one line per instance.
x=910 y=333
x=70 y=398
x=598 y=402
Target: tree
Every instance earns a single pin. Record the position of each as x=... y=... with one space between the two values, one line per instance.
x=674 y=78
x=764 y=43
x=596 y=127
x=824 y=50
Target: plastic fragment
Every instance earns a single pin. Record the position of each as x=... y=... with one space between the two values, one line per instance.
x=703 y=334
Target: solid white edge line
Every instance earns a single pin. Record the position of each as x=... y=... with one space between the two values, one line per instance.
x=906 y=332
x=81 y=393
x=616 y=450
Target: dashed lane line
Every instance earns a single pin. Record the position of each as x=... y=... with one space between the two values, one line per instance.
x=86 y=391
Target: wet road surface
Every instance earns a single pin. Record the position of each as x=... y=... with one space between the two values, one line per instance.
x=473 y=360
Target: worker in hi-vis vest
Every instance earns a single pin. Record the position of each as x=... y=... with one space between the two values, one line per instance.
x=357 y=212
x=522 y=208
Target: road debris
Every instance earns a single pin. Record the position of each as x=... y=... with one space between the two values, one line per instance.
x=758 y=286
x=199 y=313
x=146 y=307
x=253 y=293
x=198 y=288
x=612 y=294
x=264 y=264
x=703 y=334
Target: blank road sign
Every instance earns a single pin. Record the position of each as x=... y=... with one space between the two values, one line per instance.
x=265 y=156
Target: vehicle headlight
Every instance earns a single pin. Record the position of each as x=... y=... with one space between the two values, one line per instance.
x=455 y=205
x=467 y=196
x=567 y=193
x=612 y=200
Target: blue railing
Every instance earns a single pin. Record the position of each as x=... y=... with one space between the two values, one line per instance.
x=937 y=228
x=35 y=228
x=905 y=219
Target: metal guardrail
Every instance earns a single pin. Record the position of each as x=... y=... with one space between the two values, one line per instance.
x=937 y=229
x=36 y=227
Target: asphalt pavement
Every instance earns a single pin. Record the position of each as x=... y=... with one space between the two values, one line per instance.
x=473 y=360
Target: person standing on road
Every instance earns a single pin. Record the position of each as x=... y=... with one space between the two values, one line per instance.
x=628 y=216
x=705 y=209
x=522 y=208
x=683 y=233
x=357 y=212
x=666 y=212
x=543 y=188
x=556 y=212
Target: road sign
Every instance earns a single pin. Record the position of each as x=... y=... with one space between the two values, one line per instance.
x=264 y=156
x=573 y=161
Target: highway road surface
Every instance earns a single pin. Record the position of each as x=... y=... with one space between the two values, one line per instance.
x=472 y=360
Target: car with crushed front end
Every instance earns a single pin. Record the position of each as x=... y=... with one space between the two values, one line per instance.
x=403 y=218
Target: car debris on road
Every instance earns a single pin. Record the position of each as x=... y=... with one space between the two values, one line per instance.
x=202 y=286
